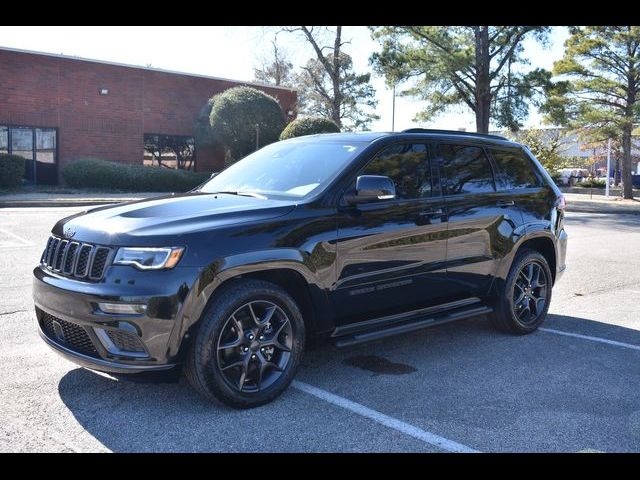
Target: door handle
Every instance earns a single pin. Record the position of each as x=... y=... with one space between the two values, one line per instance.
x=505 y=203
x=431 y=213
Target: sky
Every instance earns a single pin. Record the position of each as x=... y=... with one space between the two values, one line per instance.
x=233 y=52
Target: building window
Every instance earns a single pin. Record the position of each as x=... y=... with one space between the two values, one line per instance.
x=169 y=151
x=38 y=146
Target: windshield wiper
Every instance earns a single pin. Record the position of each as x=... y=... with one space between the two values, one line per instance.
x=242 y=194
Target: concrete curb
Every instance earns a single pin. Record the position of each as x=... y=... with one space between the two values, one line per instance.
x=604 y=209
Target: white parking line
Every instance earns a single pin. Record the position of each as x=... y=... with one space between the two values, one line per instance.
x=593 y=339
x=23 y=241
x=387 y=421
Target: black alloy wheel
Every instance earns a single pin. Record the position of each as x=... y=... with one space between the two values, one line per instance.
x=255 y=346
x=522 y=299
x=530 y=292
x=247 y=345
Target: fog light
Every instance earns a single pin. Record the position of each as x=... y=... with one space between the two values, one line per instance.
x=123 y=308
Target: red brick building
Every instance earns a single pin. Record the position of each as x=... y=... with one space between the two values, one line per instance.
x=55 y=109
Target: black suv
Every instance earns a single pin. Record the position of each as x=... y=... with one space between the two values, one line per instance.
x=352 y=236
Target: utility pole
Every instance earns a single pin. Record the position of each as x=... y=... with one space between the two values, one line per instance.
x=393 y=110
x=606 y=186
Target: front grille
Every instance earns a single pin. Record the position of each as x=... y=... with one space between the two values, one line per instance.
x=76 y=259
x=126 y=342
x=70 y=335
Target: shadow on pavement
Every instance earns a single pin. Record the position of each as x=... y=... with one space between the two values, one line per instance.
x=467 y=381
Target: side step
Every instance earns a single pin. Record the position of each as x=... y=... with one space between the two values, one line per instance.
x=411 y=324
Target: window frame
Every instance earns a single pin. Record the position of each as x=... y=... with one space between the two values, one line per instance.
x=443 y=173
x=34 y=149
x=429 y=155
x=518 y=151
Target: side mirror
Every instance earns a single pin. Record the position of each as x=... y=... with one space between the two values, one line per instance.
x=372 y=188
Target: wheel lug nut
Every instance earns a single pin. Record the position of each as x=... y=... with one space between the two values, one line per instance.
x=251 y=336
x=262 y=349
x=245 y=349
x=261 y=337
x=253 y=356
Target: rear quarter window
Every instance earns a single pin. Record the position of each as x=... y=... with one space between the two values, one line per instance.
x=514 y=170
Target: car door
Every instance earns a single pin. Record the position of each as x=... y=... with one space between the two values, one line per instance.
x=391 y=253
x=482 y=221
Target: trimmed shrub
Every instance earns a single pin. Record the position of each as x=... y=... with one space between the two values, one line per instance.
x=235 y=114
x=309 y=126
x=101 y=174
x=593 y=183
x=11 y=170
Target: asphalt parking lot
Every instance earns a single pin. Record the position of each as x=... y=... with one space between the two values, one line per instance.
x=573 y=386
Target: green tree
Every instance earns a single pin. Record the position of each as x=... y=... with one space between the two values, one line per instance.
x=599 y=87
x=548 y=146
x=476 y=66
x=244 y=119
x=308 y=126
x=328 y=86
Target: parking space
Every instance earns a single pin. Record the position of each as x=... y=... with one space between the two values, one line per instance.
x=573 y=386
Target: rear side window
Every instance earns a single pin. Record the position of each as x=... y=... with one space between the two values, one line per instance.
x=408 y=166
x=466 y=168
x=515 y=170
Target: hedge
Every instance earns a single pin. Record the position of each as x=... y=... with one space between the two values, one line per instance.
x=309 y=126
x=11 y=170
x=95 y=173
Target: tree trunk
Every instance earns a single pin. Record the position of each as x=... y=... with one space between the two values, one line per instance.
x=483 y=82
x=627 y=187
x=616 y=170
x=336 y=103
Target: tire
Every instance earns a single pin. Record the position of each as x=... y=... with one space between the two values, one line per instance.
x=508 y=315
x=216 y=360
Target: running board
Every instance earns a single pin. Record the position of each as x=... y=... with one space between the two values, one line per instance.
x=412 y=324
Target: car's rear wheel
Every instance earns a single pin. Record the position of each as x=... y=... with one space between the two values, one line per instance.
x=524 y=299
x=248 y=346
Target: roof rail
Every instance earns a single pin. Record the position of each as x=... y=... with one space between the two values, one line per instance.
x=451 y=132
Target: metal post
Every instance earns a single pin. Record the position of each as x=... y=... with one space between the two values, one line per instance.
x=606 y=187
x=257 y=136
x=393 y=110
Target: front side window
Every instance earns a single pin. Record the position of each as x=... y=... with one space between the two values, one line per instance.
x=295 y=169
x=466 y=168
x=515 y=170
x=408 y=166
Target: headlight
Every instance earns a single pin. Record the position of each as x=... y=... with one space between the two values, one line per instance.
x=148 y=258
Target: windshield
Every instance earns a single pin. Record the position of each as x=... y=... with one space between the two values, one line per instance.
x=291 y=169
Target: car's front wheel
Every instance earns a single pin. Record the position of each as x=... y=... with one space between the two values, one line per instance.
x=248 y=345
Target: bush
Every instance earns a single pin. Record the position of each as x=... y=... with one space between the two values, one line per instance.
x=11 y=170
x=309 y=126
x=95 y=173
x=235 y=114
x=591 y=183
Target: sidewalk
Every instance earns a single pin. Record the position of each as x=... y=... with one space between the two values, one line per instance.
x=34 y=199
x=599 y=204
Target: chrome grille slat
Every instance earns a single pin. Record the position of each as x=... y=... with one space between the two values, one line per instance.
x=76 y=259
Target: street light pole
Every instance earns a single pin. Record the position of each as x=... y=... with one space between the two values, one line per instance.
x=393 y=110
x=606 y=187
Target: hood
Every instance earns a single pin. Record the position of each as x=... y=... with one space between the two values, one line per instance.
x=146 y=222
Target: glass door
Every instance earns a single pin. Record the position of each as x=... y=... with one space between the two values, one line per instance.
x=22 y=145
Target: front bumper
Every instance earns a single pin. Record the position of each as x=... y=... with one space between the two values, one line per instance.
x=73 y=303
x=561 y=264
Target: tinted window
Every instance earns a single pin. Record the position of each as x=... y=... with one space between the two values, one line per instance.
x=292 y=168
x=515 y=170
x=467 y=169
x=408 y=166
